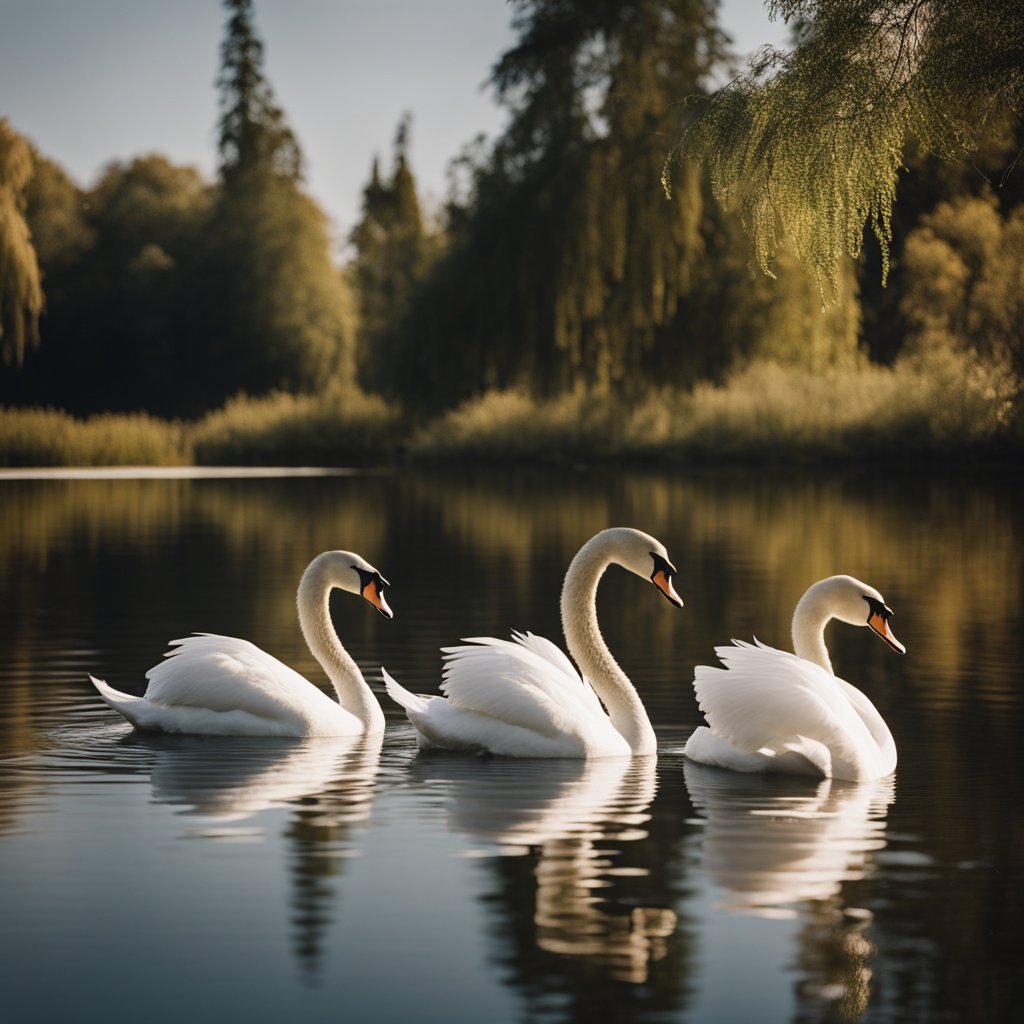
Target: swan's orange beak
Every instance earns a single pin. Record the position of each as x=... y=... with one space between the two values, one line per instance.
x=879 y=623
x=663 y=581
x=375 y=596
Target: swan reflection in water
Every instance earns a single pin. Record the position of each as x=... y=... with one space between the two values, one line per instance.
x=325 y=785
x=783 y=847
x=572 y=819
x=227 y=783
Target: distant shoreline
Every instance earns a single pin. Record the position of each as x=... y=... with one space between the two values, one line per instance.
x=949 y=410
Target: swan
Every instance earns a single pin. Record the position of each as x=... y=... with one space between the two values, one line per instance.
x=523 y=697
x=769 y=710
x=222 y=686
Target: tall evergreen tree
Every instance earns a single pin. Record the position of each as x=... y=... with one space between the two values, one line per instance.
x=21 y=295
x=392 y=250
x=269 y=302
x=254 y=139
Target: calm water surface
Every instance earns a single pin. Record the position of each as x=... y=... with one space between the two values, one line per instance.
x=199 y=879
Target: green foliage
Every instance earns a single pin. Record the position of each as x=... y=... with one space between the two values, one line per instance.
x=812 y=140
x=393 y=252
x=739 y=314
x=168 y=294
x=765 y=413
x=115 y=259
x=963 y=282
x=21 y=295
x=254 y=137
x=511 y=425
x=565 y=265
x=342 y=426
x=273 y=306
x=147 y=218
x=595 y=318
x=46 y=437
x=271 y=309
x=949 y=404
x=55 y=209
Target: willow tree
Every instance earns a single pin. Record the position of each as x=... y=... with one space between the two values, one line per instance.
x=812 y=138
x=269 y=302
x=21 y=294
x=565 y=263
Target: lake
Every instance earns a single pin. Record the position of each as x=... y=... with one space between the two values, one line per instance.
x=209 y=879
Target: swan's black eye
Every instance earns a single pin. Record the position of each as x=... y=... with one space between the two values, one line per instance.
x=366 y=578
x=875 y=607
x=662 y=564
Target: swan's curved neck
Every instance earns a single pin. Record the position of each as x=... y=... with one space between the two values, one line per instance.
x=354 y=695
x=587 y=646
x=813 y=612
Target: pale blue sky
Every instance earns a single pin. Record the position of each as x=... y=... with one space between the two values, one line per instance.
x=91 y=81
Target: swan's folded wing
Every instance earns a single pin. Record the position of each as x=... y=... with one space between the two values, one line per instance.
x=770 y=701
x=568 y=674
x=223 y=673
x=528 y=682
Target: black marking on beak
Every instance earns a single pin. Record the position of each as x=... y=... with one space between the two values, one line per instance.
x=371 y=586
x=662 y=578
x=878 y=621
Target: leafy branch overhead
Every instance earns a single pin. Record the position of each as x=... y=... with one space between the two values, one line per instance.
x=811 y=140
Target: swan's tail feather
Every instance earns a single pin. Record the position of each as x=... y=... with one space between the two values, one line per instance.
x=123 y=703
x=115 y=698
x=412 y=702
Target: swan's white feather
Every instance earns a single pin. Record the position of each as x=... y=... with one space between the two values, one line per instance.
x=224 y=673
x=192 y=720
x=221 y=685
x=767 y=703
x=524 y=698
x=540 y=686
x=520 y=698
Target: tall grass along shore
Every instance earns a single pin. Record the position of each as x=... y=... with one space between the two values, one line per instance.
x=942 y=408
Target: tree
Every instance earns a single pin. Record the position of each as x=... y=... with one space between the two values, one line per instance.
x=148 y=219
x=254 y=139
x=393 y=251
x=56 y=210
x=565 y=265
x=21 y=294
x=813 y=138
x=267 y=299
x=963 y=282
x=114 y=260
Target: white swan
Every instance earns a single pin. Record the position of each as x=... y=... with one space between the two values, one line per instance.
x=768 y=710
x=222 y=686
x=524 y=698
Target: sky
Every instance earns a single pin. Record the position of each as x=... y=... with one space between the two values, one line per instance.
x=92 y=81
